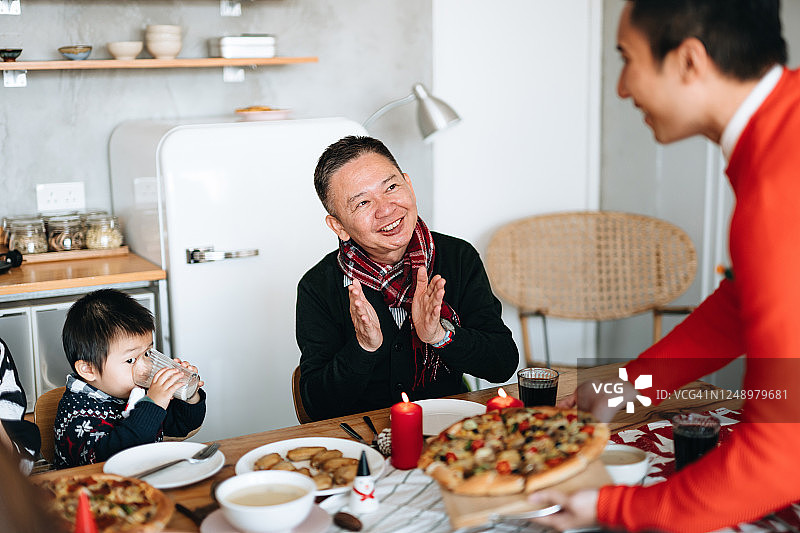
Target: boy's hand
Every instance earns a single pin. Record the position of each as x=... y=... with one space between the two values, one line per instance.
x=165 y=383
x=196 y=396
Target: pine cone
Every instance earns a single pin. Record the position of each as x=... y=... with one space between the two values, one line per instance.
x=385 y=442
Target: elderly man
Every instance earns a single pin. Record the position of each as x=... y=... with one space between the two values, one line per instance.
x=715 y=68
x=396 y=308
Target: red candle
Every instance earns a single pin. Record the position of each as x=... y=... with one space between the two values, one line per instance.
x=406 y=434
x=503 y=401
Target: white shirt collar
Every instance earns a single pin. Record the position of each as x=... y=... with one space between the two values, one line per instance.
x=734 y=129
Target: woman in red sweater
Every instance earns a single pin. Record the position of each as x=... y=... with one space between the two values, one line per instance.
x=715 y=68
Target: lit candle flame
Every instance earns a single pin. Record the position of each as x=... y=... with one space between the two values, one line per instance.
x=405 y=397
x=501 y=392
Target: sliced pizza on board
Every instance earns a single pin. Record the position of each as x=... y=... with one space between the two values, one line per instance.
x=514 y=450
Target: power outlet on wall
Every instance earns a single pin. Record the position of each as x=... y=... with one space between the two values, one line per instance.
x=60 y=196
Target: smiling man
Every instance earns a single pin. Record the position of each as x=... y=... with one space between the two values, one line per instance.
x=715 y=68
x=397 y=308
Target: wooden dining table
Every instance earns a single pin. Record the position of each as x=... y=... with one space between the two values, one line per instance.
x=199 y=495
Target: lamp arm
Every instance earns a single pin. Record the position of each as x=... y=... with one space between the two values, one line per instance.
x=387 y=107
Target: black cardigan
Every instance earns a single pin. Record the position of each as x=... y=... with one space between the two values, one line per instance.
x=338 y=377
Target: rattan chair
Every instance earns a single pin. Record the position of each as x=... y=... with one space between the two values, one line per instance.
x=299 y=410
x=44 y=416
x=590 y=265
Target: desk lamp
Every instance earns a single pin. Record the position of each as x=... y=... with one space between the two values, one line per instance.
x=433 y=115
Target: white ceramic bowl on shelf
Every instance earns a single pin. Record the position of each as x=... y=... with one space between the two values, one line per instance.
x=164 y=29
x=125 y=49
x=158 y=36
x=164 y=49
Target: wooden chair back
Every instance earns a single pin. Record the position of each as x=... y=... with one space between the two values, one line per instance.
x=44 y=416
x=590 y=265
x=299 y=410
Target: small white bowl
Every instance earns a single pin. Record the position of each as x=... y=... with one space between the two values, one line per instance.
x=164 y=28
x=125 y=49
x=266 y=518
x=158 y=36
x=625 y=464
x=164 y=49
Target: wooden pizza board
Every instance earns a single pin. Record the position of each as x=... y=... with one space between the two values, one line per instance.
x=471 y=511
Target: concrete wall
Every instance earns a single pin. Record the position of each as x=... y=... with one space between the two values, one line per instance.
x=682 y=183
x=57 y=128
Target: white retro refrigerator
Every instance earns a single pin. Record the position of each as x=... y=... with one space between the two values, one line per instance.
x=244 y=190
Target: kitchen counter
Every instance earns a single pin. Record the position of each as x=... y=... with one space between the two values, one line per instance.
x=59 y=275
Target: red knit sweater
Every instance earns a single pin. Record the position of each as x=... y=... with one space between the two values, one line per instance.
x=756 y=470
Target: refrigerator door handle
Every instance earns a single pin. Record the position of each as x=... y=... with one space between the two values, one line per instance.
x=206 y=255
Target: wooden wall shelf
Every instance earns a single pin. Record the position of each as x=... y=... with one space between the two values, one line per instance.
x=196 y=62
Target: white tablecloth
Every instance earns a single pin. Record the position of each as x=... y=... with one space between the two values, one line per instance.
x=410 y=502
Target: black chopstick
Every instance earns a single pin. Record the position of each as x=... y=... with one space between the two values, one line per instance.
x=352 y=432
x=194 y=517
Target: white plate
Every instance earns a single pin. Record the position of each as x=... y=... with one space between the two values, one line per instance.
x=317 y=521
x=439 y=414
x=348 y=448
x=146 y=456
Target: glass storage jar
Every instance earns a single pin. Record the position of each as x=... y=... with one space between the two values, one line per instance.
x=86 y=213
x=65 y=233
x=46 y=216
x=5 y=229
x=103 y=232
x=27 y=236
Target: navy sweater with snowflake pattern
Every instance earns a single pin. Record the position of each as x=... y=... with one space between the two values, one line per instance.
x=90 y=426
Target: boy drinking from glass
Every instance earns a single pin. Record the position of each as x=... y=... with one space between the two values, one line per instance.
x=104 y=333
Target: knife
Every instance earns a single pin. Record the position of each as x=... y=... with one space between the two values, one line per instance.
x=352 y=432
x=495 y=518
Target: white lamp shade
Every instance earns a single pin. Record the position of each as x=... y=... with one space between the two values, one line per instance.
x=433 y=115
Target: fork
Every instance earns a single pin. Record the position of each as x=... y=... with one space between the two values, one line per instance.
x=369 y=423
x=199 y=457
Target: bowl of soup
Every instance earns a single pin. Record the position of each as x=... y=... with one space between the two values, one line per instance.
x=265 y=501
x=625 y=464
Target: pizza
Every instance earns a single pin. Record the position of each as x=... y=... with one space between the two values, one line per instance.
x=514 y=450
x=117 y=503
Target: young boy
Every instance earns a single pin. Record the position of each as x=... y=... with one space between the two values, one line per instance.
x=104 y=333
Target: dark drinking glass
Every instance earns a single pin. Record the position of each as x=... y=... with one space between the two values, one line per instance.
x=693 y=435
x=537 y=386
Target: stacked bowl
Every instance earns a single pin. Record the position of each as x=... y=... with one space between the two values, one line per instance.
x=163 y=41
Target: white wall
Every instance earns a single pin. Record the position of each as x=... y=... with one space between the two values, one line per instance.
x=524 y=75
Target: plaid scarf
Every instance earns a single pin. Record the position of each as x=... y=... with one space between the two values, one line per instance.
x=397 y=284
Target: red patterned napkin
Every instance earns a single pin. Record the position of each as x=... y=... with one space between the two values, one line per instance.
x=656 y=439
